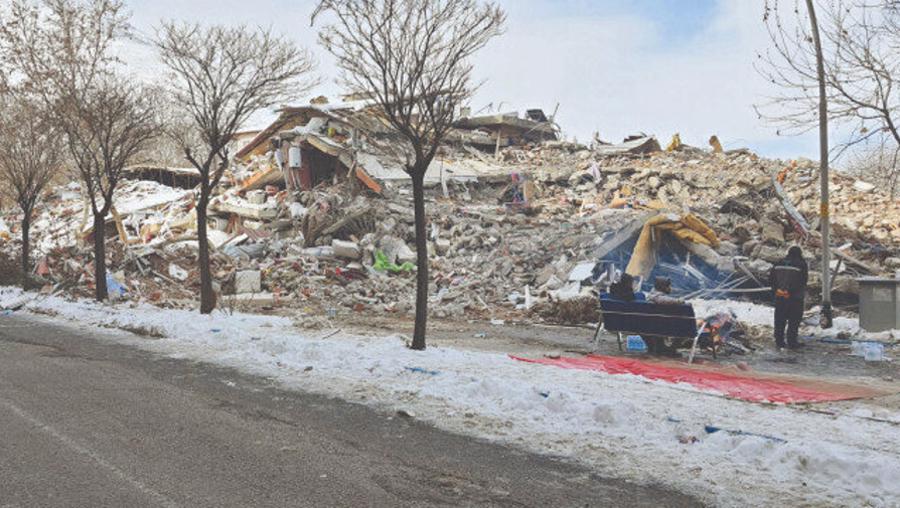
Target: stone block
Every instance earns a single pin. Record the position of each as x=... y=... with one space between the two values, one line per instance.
x=248 y=281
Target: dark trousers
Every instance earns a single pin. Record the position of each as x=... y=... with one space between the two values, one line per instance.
x=789 y=313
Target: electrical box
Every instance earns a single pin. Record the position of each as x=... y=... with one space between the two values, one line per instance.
x=879 y=304
x=294 y=157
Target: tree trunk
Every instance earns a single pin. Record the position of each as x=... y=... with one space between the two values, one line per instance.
x=101 y=292
x=421 y=259
x=207 y=297
x=26 y=248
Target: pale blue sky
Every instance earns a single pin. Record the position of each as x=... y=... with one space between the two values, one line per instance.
x=614 y=66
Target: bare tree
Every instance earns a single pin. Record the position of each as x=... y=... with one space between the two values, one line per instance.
x=861 y=59
x=412 y=58
x=115 y=123
x=59 y=48
x=877 y=163
x=30 y=156
x=59 y=51
x=221 y=76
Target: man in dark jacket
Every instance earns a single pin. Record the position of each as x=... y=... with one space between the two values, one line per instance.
x=788 y=280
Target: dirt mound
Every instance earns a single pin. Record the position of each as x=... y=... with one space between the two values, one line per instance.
x=575 y=311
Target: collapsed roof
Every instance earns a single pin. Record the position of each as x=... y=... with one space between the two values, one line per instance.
x=326 y=139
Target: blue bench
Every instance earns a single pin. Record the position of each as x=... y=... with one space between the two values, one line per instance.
x=640 y=317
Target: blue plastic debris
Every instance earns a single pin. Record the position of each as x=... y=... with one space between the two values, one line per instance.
x=544 y=394
x=7 y=312
x=216 y=330
x=113 y=287
x=712 y=430
x=420 y=370
x=831 y=340
x=635 y=344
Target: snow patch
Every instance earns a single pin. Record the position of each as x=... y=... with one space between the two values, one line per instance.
x=623 y=426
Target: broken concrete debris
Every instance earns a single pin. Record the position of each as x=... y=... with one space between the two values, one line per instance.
x=313 y=213
x=247 y=281
x=346 y=250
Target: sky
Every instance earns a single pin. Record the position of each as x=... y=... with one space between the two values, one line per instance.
x=612 y=66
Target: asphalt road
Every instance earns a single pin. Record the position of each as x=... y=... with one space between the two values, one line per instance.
x=88 y=423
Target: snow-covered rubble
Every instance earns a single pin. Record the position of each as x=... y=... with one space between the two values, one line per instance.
x=623 y=426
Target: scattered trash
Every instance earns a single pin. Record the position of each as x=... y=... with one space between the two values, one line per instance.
x=177 y=272
x=874 y=352
x=712 y=430
x=114 y=288
x=402 y=413
x=383 y=265
x=331 y=334
x=635 y=344
x=420 y=370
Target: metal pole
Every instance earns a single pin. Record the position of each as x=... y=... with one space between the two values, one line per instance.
x=824 y=211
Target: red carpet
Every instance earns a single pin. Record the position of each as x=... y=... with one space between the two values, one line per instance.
x=753 y=388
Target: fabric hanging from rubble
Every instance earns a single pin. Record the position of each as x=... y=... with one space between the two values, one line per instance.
x=687 y=229
x=744 y=387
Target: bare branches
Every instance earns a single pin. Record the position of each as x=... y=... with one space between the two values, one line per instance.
x=58 y=52
x=221 y=76
x=861 y=40
x=412 y=57
x=112 y=124
x=30 y=149
x=60 y=46
x=876 y=162
x=30 y=156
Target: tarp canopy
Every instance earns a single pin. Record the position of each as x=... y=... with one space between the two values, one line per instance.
x=752 y=388
x=688 y=229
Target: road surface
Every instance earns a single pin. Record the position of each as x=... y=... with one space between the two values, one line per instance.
x=87 y=422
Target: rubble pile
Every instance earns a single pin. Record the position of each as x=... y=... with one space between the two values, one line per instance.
x=735 y=193
x=538 y=224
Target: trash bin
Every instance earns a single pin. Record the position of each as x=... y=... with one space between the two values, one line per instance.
x=879 y=304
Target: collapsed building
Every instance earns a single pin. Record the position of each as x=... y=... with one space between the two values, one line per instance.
x=316 y=214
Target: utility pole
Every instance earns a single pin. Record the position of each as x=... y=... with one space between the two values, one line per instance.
x=824 y=212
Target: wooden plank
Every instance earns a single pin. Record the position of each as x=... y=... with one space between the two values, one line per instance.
x=262 y=178
x=367 y=180
x=850 y=260
x=797 y=219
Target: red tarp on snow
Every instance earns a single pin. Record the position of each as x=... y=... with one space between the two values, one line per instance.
x=744 y=387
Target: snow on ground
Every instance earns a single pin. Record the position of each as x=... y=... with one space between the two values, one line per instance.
x=622 y=426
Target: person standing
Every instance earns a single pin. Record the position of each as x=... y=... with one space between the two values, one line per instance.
x=788 y=279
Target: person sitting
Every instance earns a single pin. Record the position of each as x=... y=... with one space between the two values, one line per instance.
x=624 y=289
x=662 y=288
x=660 y=295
